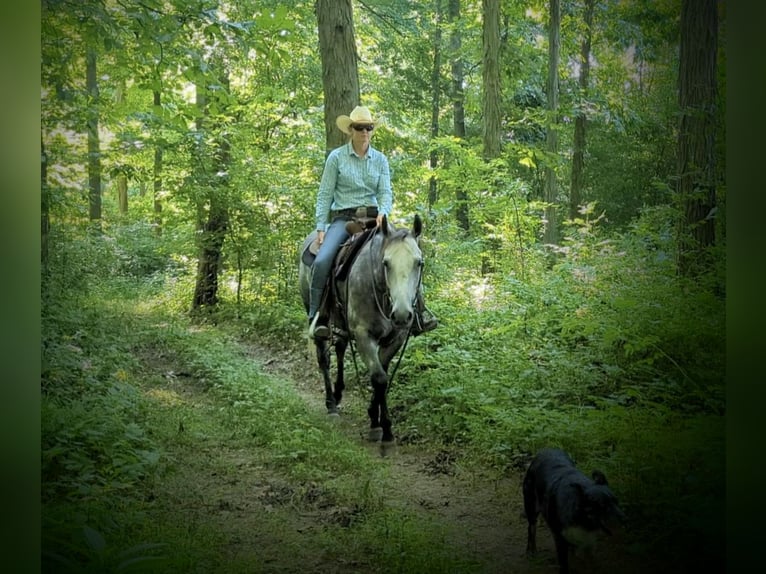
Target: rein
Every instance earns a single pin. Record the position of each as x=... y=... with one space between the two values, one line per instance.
x=380 y=310
x=388 y=317
x=385 y=278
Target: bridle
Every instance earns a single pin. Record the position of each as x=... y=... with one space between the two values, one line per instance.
x=380 y=306
x=386 y=292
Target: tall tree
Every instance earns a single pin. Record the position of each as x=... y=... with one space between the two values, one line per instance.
x=45 y=219
x=697 y=96
x=121 y=181
x=551 y=232
x=491 y=78
x=458 y=103
x=578 y=150
x=340 y=75
x=491 y=106
x=94 y=151
x=157 y=167
x=212 y=207
x=433 y=193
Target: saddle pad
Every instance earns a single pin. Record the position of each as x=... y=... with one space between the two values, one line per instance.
x=310 y=253
x=349 y=252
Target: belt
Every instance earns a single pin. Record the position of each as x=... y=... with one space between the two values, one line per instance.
x=370 y=211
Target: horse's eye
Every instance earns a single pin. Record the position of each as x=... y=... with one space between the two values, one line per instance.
x=421 y=263
x=386 y=263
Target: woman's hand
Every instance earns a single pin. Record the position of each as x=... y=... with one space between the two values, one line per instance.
x=379 y=220
x=320 y=237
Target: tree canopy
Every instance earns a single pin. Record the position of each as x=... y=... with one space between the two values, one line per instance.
x=183 y=142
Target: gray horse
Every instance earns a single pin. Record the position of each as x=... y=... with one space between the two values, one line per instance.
x=374 y=311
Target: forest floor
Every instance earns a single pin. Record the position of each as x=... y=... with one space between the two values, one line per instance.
x=275 y=526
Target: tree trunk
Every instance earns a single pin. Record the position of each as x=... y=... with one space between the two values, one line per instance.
x=340 y=76
x=157 y=176
x=491 y=78
x=213 y=216
x=458 y=107
x=94 y=155
x=458 y=96
x=122 y=193
x=45 y=220
x=578 y=152
x=697 y=96
x=491 y=109
x=433 y=192
x=552 y=143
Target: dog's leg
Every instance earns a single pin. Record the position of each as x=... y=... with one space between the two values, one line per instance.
x=562 y=552
x=531 y=509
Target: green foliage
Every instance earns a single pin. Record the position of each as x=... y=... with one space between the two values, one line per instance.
x=87 y=550
x=596 y=345
x=92 y=447
x=405 y=542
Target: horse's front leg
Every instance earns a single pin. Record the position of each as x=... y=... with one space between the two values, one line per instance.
x=380 y=423
x=323 y=359
x=379 y=393
x=340 y=384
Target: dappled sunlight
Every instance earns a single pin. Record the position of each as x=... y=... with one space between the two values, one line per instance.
x=478 y=292
x=166 y=397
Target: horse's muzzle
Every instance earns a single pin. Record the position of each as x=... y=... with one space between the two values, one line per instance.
x=403 y=318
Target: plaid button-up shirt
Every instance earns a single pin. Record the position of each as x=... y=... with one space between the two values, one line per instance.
x=350 y=181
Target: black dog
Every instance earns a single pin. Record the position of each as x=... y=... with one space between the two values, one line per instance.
x=574 y=507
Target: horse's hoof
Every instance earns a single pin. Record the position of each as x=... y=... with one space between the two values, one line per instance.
x=334 y=415
x=387 y=447
x=375 y=434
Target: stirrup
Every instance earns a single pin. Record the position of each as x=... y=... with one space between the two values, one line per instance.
x=422 y=325
x=318 y=330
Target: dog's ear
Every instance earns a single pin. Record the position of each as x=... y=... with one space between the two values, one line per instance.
x=599 y=478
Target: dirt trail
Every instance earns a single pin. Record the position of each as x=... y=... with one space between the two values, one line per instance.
x=487 y=511
x=226 y=489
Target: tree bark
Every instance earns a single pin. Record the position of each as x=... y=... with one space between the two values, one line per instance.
x=491 y=109
x=122 y=193
x=578 y=152
x=45 y=220
x=157 y=173
x=551 y=189
x=213 y=215
x=458 y=106
x=340 y=76
x=433 y=191
x=94 y=154
x=697 y=95
x=491 y=78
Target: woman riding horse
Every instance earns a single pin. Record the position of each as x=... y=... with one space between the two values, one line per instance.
x=356 y=182
x=375 y=304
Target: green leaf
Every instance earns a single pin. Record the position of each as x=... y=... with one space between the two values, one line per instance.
x=94 y=539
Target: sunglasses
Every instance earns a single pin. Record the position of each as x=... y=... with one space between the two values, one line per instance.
x=360 y=128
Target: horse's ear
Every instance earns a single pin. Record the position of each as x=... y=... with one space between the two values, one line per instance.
x=417 y=226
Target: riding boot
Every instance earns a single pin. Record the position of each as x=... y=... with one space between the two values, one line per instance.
x=424 y=320
x=318 y=328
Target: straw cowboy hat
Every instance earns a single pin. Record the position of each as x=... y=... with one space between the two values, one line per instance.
x=360 y=115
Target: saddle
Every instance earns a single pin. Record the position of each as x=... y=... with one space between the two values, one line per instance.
x=359 y=230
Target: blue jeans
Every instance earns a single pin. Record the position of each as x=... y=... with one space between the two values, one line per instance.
x=334 y=237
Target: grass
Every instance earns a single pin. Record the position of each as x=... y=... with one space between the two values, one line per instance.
x=167 y=448
x=234 y=463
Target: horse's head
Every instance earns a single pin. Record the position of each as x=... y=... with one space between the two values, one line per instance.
x=403 y=267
